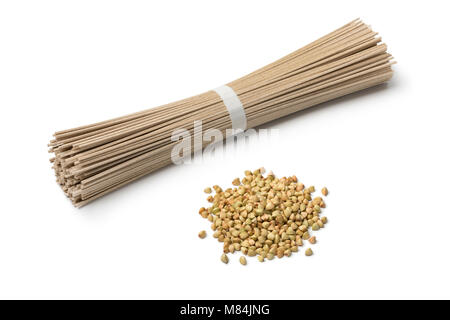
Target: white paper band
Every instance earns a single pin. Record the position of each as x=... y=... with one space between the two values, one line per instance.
x=234 y=107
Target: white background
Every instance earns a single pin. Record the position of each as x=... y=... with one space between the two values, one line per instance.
x=382 y=153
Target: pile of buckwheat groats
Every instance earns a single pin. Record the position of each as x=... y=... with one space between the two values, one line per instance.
x=264 y=216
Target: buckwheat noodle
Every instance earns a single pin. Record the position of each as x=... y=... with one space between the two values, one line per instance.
x=96 y=159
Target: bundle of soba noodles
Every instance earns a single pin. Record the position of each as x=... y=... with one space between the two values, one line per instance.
x=93 y=160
